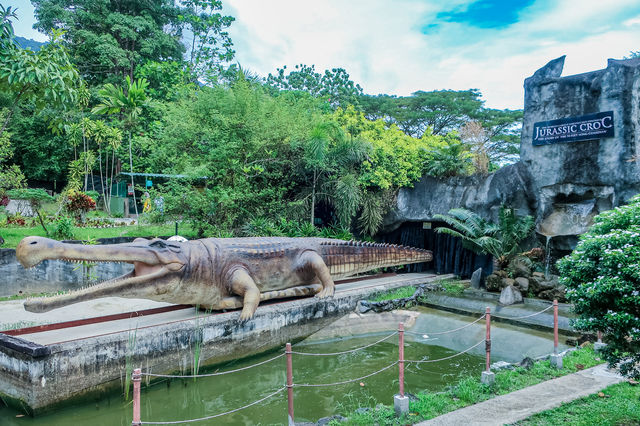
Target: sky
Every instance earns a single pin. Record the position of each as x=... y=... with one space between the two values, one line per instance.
x=401 y=46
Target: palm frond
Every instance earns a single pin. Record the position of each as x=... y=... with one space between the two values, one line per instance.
x=463 y=227
x=372 y=213
x=346 y=198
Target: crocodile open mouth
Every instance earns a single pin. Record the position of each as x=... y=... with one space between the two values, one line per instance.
x=149 y=267
x=138 y=283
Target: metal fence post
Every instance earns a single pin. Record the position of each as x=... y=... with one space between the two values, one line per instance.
x=290 y=384
x=401 y=402
x=136 y=377
x=555 y=358
x=401 y=358
x=487 y=377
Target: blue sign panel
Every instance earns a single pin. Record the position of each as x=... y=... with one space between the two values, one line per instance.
x=574 y=129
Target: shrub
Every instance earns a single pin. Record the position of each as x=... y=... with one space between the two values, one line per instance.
x=95 y=196
x=78 y=204
x=16 y=220
x=602 y=277
x=63 y=228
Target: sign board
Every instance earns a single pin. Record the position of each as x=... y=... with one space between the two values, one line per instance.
x=574 y=129
x=426 y=225
x=129 y=189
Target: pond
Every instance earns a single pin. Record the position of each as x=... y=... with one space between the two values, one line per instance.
x=181 y=399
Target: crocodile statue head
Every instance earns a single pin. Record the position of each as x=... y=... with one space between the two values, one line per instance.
x=158 y=268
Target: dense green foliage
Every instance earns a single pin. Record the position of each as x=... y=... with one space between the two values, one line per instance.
x=501 y=240
x=334 y=85
x=489 y=133
x=108 y=39
x=602 y=276
x=300 y=146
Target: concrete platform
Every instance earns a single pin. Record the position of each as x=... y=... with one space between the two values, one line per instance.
x=43 y=367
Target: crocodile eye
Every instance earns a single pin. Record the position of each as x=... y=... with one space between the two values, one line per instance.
x=158 y=244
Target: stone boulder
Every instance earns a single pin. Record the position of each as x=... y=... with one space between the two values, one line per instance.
x=558 y=293
x=507 y=282
x=476 y=279
x=535 y=283
x=520 y=267
x=510 y=295
x=493 y=282
x=526 y=363
x=522 y=284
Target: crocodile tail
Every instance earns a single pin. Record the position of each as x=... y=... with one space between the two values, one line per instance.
x=345 y=258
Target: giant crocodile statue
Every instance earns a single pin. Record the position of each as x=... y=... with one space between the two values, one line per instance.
x=217 y=273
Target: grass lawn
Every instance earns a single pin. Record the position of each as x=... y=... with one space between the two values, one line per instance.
x=398 y=293
x=466 y=392
x=620 y=405
x=13 y=235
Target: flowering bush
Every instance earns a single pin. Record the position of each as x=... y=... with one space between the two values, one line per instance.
x=78 y=204
x=602 y=277
x=16 y=220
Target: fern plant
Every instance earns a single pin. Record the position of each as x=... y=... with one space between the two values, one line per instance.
x=501 y=240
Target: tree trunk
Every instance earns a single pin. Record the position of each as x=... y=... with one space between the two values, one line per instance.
x=105 y=172
x=42 y=222
x=113 y=162
x=84 y=147
x=135 y=206
x=313 y=197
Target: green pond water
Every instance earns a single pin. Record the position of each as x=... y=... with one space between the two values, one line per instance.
x=181 y=399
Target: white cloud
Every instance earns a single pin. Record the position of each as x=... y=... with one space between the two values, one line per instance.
x=632 y=22
x=381 y=45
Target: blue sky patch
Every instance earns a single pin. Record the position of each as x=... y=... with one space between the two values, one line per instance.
x=483 y=14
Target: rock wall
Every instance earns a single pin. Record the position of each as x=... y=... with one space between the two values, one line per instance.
x=481 y=194
x=563 y=185
x=577 y=180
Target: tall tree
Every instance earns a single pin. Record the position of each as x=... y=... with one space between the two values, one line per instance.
x=208 y=44
x=335 y=85
x=47 y=78
x=128 y=103
x=44 y=81
x=109 y=39
x=438 y=112
x=494 y=138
